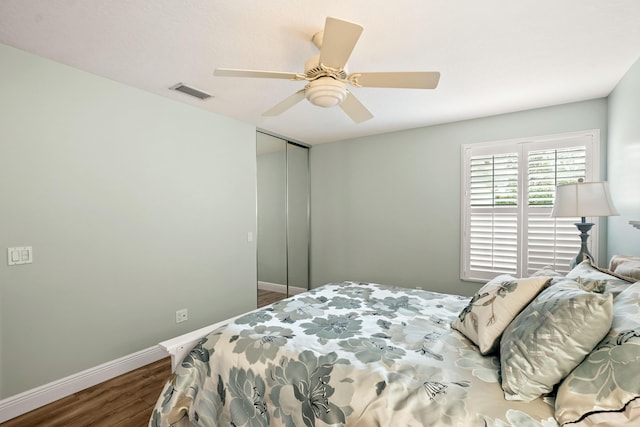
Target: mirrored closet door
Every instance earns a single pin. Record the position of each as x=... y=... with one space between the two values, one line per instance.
x=283 y=218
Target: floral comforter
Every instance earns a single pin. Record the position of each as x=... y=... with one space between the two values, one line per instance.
x=354 y=354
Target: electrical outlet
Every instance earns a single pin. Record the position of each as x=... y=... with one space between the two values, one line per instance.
x=419 y=288
x=182 y=315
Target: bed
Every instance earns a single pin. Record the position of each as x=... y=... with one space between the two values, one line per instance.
x=535 y=351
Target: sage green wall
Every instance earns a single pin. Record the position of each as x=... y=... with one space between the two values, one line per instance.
x=623 y=163
x=135 y=205
x=386 y=208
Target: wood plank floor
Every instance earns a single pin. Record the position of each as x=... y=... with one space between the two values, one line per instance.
x=124 y=401
x=269 y=297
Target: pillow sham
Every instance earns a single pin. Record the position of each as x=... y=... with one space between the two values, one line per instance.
x=625 y=265
x=548 y=271
x=494 y=306
x=587 y=272
x=550 y=337
x=606 y=383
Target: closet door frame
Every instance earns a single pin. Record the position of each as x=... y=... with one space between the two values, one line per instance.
x=307 y=214
x=287 y=143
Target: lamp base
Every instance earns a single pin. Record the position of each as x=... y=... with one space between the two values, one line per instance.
x=584 y=253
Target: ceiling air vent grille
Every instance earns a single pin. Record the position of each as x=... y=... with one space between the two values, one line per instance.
x=181 y=87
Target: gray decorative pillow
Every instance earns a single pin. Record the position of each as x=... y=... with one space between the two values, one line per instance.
x=606 y=383
x=586 y=271
x=550 y=337
x=494 y=306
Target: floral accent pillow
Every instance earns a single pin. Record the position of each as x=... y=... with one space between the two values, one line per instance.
x=550 y=337
x=606 y=383
x=494 y=306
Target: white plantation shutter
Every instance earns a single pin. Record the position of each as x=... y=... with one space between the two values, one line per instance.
x=507 y=198
x=551 y=241
x=493 y=224
x=493 y=241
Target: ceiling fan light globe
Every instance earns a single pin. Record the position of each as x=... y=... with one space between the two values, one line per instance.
x=325 y=92
x=326 y=99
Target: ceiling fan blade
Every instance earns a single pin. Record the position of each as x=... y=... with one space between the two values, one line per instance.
x=230 y=72
x=338 y=40
x=401 y=79
x=355 y=109
x=284 y=105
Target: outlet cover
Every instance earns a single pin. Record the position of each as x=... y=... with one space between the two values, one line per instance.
x=182 y=315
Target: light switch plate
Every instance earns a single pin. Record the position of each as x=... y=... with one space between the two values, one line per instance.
x=20 y=255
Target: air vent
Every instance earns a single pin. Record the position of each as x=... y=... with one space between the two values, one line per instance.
x=181 y=87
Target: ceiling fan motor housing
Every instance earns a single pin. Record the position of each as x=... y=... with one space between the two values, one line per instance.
x=326 y=88
x=314 y=69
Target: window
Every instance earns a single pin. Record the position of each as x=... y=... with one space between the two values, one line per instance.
x=508 y=188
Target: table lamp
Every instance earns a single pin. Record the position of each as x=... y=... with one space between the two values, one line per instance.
x=583 y=199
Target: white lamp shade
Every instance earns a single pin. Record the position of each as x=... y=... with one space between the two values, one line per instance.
x=583 y=199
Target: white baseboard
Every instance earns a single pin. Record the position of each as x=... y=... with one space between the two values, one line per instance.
x=180 y=346
x=29 y=400
x=276 y=287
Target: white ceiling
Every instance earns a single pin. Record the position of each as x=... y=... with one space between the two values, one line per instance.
x=495 y=56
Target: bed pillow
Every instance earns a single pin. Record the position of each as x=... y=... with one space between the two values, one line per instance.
x=605 y=385
x=625 y=265
x=494 y=306
x=587 y=273
x=548 y=271
x=550 y=337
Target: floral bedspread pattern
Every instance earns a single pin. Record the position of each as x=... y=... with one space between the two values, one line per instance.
x=354 y=354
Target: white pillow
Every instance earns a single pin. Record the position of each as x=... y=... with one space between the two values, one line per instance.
x=625 y=265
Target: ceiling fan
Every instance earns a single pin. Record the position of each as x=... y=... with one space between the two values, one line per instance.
x=327 y=74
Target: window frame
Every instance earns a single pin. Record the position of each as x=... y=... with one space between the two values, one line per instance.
x=590 y=139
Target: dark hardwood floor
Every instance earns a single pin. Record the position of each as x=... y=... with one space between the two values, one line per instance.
x=124 y=401
x=268 y=297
